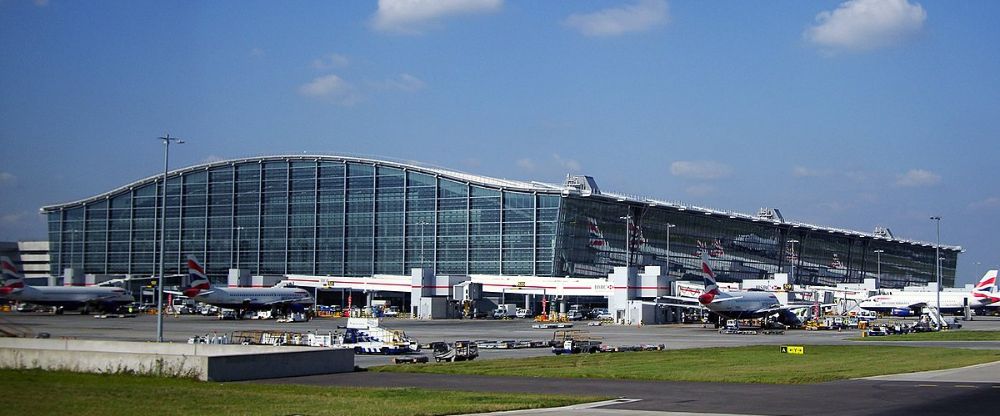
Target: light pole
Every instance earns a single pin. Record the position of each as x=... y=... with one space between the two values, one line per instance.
x=163 y=225
x=628 y=254
x=937 y=261
x=878 y=268
x=669 y=226
x=238 y=246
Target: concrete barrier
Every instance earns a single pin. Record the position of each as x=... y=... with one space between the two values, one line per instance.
x=202 y=361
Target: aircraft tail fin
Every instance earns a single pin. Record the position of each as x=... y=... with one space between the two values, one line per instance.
x=711 y=286
x=989 y=280
x=195 y=280
x=12 y=279
x=986 y=289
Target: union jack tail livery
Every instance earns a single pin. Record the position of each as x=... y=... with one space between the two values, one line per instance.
x=196 y=278
x=12 y=279
x=711 y=286
x=986 y=289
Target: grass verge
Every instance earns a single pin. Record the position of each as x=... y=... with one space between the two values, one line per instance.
x=939 y=336
x=36 y=392
x=755 y=364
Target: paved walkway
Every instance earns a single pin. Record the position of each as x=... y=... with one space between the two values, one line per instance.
x=979 y=373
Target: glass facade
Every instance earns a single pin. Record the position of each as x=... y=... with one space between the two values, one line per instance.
x=592 y=240
x=357 y=217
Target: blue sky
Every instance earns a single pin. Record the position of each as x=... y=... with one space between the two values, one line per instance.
x=850 y=114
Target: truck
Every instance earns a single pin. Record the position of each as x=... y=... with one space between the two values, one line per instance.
x=507 y=310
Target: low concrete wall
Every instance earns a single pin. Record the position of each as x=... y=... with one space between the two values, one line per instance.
x=204 y=361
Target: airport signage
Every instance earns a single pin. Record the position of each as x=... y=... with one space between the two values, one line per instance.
x=793 y=349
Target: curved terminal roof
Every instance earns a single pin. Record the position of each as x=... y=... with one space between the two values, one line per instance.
x=504 y=184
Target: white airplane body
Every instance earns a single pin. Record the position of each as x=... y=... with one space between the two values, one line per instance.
x=903 y=303
x=738 y=304
x=69 y=297
x=198 y=287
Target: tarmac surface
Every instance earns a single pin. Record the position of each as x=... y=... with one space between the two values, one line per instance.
x=969 y=391
x=852 y=397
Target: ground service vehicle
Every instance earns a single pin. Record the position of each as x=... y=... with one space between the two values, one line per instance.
x=572 y=346
x=459 y=351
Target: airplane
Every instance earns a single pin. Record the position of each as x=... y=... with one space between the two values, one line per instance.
x=904 y=303
x=197 y=286
x=84 y=299
x=743 y=304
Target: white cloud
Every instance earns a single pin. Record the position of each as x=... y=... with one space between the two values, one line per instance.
x=41 y=3
x=643 y=15
x=568 y=164
x=859 y=25
x=331 y=61
x=332 y=87
x=526 y=164
x=917 y=177
x=413 y=16
x=403 y=82
x=988 y=203
x=257 y=53
x=7 y=178
x=700 y=169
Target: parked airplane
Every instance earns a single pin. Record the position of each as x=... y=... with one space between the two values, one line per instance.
x=85 y=299
x=906 y=303
x=197 y=286
x=742 y=304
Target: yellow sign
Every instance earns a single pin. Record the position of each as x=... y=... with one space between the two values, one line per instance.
x=793 y=349
x=520 y=284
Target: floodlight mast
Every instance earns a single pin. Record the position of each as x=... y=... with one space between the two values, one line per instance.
x=163 y=225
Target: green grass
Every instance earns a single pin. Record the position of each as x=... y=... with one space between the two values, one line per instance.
x=36 y=392
x=939 y=336
x=755 y=364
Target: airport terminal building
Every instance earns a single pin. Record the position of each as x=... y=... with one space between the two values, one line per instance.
x=350 y=216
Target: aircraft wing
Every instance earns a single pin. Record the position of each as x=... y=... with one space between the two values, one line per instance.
x=683 y=305
x=278 y=302
x=681 y=302
x=179 y=293
x=807 y=305
x=720 y=300
x=107 y=297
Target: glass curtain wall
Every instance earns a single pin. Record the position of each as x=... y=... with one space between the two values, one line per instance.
x=307 y=216
x=593 y=241
x=274 y=216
